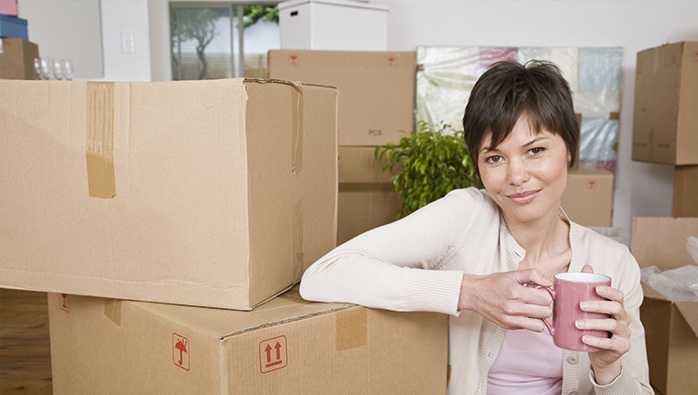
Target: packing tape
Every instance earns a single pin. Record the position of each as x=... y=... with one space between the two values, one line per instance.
x=297 y=148
x=100 y=140
x=112 y=309
x=365 y=187
x=298 y=249
x=297 y=127
x=351 y=327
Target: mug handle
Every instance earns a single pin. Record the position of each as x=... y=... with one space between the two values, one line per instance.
x=552 y=293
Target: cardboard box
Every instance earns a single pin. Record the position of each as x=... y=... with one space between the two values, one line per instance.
x=17 y=58
x=671 y=327
x=376 y=89
x=336 y=25
x=588 y=199
x=685 y=200
x=210 y=193
x=12 y=26
x=285 y=346
x=8 y=7
x=665 y=120
x=367 y=198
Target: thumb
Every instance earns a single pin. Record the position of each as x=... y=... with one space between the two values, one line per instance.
x=587 y=269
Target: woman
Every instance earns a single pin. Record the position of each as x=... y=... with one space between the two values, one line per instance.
x=478 y=255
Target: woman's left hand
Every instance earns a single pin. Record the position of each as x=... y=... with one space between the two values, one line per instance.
x=606 y=363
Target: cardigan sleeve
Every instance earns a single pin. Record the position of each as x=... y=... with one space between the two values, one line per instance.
x=393 y=267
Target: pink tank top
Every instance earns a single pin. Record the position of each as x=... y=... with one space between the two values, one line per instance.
x=527 y=364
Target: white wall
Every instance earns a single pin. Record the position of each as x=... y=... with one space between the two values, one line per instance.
x=119 y=18
x=67 y=29
x=642 y=189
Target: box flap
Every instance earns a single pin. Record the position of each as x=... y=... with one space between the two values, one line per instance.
x=661 y=241
x=689 y=310
x=222 y=324
x=650 y=292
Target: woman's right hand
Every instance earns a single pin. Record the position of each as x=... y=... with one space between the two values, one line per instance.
x=509 y=299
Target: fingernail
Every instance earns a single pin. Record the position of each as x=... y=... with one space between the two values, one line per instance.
x=584 y=305
x=547 y=281
x=580 y=324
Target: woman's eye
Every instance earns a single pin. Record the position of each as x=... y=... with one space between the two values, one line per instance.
x=537 y=150
x=493 y=159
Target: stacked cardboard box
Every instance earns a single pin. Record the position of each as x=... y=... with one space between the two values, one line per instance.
x=376 y=103
x=17 y=53
x=173 y=207
x=285 y=346
x=671 y=327
x=338 y=25
x=665 y=124
x=665 y=130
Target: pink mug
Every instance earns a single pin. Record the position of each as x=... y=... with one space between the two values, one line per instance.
x=569 y=290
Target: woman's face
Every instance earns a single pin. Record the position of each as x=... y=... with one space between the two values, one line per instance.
x=527 y=173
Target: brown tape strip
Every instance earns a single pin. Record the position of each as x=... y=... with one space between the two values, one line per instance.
x=298 y=246
x=100 y=140
x=297 y=135
x=351 y=327
x=112 y=309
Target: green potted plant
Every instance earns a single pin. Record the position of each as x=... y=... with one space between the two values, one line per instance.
x=432 y=162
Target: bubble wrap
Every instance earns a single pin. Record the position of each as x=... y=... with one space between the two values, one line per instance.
x=677 y=285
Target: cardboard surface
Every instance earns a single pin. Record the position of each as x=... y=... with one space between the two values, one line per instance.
x=685 y=198
x=366 y=198
x=17 y=58
x=665 y=122
x=671 y=327
x=588 y=198
x=285 y=346
x=337 y=25
x=376 y=89
x=208 y=193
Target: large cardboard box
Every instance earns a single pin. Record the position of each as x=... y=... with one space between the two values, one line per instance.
x=671 y=327
x=17 y=58
x=685 y=198
x=285 y=346
x=209 y=193
x=588 y=199
x=367 y=198
x=337 y=25
x=665 y=120
x=376 y=89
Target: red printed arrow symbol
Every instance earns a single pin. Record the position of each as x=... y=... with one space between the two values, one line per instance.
x=268 y=350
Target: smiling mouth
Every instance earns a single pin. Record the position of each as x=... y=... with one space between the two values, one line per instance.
x=524 y=197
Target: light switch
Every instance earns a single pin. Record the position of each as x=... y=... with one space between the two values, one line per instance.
x=128 y=41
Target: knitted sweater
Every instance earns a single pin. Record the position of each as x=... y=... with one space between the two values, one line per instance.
x=418 y=262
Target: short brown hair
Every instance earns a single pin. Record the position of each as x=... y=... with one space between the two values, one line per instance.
x=508 y=90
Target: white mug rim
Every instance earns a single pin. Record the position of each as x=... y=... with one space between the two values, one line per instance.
x=583 y=277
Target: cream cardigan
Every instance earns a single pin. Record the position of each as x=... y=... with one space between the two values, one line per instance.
x=465 y=233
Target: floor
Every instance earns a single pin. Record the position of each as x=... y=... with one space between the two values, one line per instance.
x=25 y=357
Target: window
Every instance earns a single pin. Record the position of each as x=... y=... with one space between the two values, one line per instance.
x=222 y=40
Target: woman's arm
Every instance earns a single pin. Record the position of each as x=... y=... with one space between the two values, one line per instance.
x=392 y=267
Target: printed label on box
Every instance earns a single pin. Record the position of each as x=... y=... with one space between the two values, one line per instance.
x=65 y=303
x=180 y=351
x=272 y=354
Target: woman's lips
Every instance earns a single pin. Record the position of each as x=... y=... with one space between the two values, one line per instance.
x=523 y=197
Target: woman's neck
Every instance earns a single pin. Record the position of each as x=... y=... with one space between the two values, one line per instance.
x=546 y=242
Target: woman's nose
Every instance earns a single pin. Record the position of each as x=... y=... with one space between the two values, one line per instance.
x=517 y=172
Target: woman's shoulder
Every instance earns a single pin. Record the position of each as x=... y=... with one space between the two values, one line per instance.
x=596 y=241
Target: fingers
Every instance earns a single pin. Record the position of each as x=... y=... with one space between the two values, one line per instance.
x=587 y=269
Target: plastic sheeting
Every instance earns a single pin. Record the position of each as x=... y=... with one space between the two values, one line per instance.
x=446 y=75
